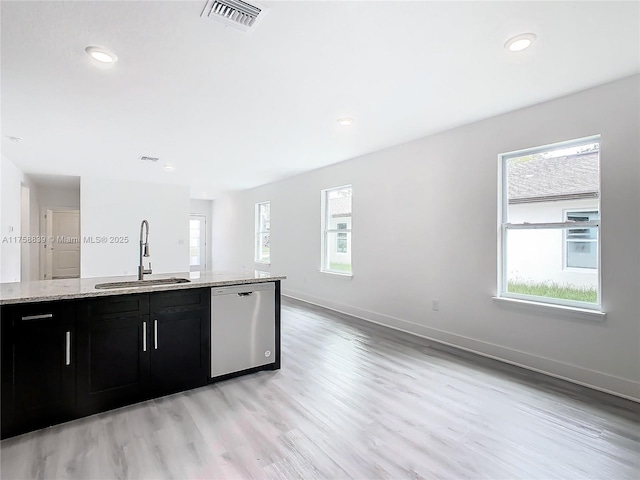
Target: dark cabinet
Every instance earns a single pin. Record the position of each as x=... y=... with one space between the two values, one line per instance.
x=38 y=365
x=180 y=335
x=113 y=358
x=134 y=347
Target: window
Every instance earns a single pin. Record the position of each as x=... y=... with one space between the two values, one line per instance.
x=197 y=242
x=549 y=224
x=581 y=247
x=336 y=230
x=263 y=232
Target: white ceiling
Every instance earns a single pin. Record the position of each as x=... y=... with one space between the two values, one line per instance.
x=233 y=111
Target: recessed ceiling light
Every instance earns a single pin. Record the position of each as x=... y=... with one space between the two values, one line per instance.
x=520 y=42
x=14 y=139
x=168 y=167
x=101 y=54
x=345 y=121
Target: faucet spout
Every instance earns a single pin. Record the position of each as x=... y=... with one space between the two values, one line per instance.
x=144 y=249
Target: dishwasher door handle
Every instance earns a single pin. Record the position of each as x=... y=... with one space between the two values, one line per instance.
x=245 y=294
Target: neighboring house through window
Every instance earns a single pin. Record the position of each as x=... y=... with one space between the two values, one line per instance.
x=341 y=241
x=336 y=230
x=550 y=222
x=582 y=243
x=263 y=233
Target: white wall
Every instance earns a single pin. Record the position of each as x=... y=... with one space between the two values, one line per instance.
x=438 y=198
x=34 y=226
x=10 y=201
x=67 y=197
x=112 y=208
x=205 y=207
x=25 y=259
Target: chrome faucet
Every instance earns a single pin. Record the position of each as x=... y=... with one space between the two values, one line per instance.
x=144 y=250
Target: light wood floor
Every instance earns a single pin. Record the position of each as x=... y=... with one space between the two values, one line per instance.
x=353 y=400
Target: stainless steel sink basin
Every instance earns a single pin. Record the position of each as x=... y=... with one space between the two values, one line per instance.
x=142 y=283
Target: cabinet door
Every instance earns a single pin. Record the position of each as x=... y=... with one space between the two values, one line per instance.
x=179 y=350
x=113 y=354
x=38 y=366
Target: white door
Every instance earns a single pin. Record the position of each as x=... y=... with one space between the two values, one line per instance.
x=65 y=250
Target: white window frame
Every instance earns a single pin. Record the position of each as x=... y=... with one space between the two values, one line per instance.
x=504 y=226
x=202 y=266
x=258 y=235
x=326 y=221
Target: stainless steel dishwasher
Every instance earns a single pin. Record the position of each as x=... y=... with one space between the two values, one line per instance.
x=243 y=330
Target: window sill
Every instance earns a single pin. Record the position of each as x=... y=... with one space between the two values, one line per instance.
x=337 y=274
x=563 y=310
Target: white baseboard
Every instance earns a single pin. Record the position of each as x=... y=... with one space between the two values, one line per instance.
x=603 y=382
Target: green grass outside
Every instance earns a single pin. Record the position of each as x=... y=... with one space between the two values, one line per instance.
x=555 y=290
x=340 y=267
x=265 y=254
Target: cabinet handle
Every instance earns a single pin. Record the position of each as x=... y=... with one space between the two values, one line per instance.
x=37 y=317
x=155 y=334
x=67 y=352
x=245 y=294
x=144 y=336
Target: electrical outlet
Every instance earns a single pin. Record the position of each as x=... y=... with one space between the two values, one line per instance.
x=435 y=305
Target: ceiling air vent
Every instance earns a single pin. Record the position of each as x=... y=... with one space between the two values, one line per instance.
x=235 y=13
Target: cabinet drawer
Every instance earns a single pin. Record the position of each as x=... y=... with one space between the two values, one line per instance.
x=116 y=306
x=31 y=314
x=188 y=299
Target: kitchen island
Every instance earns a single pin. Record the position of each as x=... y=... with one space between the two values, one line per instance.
x=70 y=349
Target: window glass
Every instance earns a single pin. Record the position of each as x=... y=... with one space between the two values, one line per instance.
x=550 y=224
x=197 y=242
x=336 y=239
x=263 y=233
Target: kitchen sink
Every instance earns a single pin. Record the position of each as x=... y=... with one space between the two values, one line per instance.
x=142 y=283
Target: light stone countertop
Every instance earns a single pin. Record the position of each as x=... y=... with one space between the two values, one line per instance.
x=64 y=289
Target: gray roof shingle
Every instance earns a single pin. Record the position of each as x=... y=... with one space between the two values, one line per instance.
x=340 y=206
x=547 y=179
